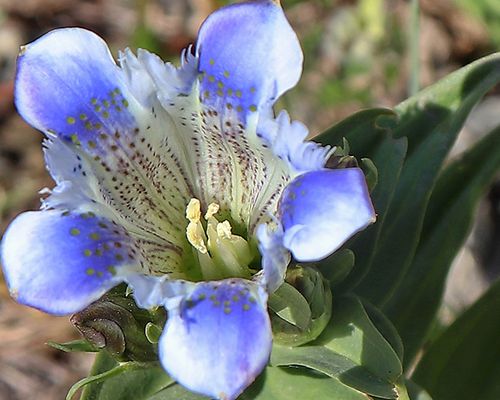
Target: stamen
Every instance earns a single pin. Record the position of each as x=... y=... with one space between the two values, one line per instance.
x=220 y=253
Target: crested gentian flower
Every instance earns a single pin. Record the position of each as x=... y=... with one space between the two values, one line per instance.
x=180 y=182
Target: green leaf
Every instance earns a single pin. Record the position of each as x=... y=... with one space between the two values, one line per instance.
x=416 y=392
x=176 y=392
x=385 y=326
x=136 y=382
x=352 y=334
x=415 y=304
x=369 y=132
x=361 y=130
x=80 y=345
x=334 y=365
x=463 y=363
x=430 y=121
x=278 y=383
x=336 y=267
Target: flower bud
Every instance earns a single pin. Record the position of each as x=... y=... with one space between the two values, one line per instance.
x=114 y=323
x=301 y=308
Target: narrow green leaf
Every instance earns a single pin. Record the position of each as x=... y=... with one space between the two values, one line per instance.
x=416 y=392
x=278 y=383
x=80 y=345
x=430 y=121
x=463 y=363
x=336 y=267
x=385 y=326
x=352 y=334
x=334 y=365
x=414 y=305
x=360 y=129
x=134 y=382
x=369 y=132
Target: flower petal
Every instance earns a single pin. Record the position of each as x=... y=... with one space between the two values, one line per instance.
x=102 y=140
x=61 y=262
x=68 y=83
x=321 y=209
x=249 y=56
x=275 y=257
x=219 y=339
x=286 y=138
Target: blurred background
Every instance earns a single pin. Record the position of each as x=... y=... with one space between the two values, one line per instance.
x=358 y=54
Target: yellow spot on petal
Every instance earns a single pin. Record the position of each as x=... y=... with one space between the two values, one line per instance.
x=74 y=139
x=253 y=108
x=105 y=114
x=74 y=231
x=125 y=102
x=93 y=101
x=239 y=108
x=238 y=93
x=229 y=92
x=246 y=307
x=83 y=117
x=226 y=74
x=211 y=78
x=91 y=144
x=90 y=271
x=211 y=61
x=87 y=252
x=70 y=120
x=227 y=310
x=106 y=103
x=220 y=84
x=94 y=236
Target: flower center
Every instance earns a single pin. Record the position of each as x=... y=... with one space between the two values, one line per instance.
x=220 y=253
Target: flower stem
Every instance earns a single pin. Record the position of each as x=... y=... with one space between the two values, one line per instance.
x=414 y=47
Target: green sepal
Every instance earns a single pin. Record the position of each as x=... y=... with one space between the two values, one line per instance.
x=301 y=308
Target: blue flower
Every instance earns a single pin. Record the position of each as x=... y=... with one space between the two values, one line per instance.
x=180 y=182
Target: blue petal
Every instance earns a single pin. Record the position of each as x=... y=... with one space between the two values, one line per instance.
x=249 y=56
x=68 y=84
x=275 y=257
x=320 y=210
x=219 y=339
x=61 y=262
